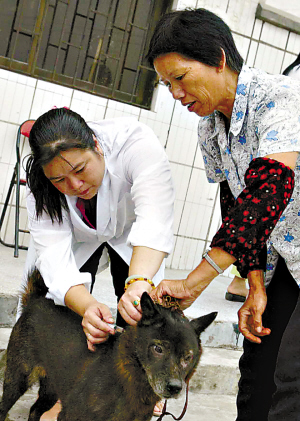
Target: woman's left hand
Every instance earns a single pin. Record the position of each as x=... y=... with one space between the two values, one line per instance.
x=250 y=314
x=130 y=303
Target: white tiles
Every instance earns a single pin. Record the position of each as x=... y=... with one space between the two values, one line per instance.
x=242 y=45
x=6 y=171
x=241 y=15
x=269 y=59
x=160 y=116
x=8 y=134
x=187 y=253
x=181 y=175
x=287 y=60
x=274 y=35
x=216 y=219
x=294 y=43
x=48 y=95
x=118 y=109
x=182 y=4
x=162 y=106
x=257 y=29
x=90 y=107
x=217 y=6
x=181 y=145
x=195 y=220
x=199 y=188
x=251 y=56
x=199 y=163
x=198 y=207
x=197 y=210
x=15 y=100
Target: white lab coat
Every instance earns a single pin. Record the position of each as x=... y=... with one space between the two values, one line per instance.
x=134 y=208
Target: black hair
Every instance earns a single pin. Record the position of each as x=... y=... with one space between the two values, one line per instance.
x=197 y=34
x=291 y=66
x=57 y=130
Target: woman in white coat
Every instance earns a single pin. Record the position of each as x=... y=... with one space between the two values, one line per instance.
x=94 y=186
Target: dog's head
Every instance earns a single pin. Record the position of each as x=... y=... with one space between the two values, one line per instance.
x=168 y=346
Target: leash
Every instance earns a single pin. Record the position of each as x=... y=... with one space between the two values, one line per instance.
x=164 y=411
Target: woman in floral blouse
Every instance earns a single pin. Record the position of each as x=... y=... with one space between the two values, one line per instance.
x=249 y=135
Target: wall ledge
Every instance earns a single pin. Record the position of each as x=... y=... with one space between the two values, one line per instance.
x=277 y=18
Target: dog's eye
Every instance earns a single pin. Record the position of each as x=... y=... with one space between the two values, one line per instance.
x=188 y=358
x=158 y=349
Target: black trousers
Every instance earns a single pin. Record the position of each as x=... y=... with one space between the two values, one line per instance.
x=118 y=269
x=269 y=387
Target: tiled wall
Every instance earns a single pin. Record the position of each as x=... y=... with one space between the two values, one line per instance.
x=197 y=213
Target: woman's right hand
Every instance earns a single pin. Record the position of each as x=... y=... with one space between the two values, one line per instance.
x=97 y=323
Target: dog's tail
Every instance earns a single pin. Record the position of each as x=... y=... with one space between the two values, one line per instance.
x=35 y=288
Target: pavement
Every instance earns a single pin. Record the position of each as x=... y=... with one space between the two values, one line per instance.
x=213 y=387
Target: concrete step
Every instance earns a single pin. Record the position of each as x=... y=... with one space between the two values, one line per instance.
x=217 y=372
x=201 y=407
x=221 y=333
x=8 y=305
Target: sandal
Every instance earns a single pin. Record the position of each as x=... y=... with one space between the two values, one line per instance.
x=52 y=414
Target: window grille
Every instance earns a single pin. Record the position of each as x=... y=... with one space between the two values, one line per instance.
x=97 y=46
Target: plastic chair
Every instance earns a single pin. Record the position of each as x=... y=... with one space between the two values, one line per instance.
x=24 y=130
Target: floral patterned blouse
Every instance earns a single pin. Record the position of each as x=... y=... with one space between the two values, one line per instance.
x=265 y=120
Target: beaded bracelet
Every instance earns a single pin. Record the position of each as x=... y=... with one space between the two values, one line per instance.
x=134 y=278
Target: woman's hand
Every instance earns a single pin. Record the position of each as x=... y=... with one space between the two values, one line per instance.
x=175 y=288
x=97 y=319
x=97 y=324
x=250 y=314
x=129 y=305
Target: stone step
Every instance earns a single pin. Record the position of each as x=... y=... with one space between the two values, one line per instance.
x=217 y=372
x=224 y=334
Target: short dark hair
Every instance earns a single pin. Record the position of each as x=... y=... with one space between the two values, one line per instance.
x=291 y=66
x=197 y=34
x=57 y=130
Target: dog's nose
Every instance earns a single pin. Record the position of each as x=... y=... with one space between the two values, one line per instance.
x=174 y=386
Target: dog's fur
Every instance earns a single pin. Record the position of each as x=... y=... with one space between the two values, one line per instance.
x=121 y=381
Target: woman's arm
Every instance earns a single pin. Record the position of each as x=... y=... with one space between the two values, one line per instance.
x=243 y=234
x=289 y=159
x=189 y=289
x=146 y=167
x=145 y=261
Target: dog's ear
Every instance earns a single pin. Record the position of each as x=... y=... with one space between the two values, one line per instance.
x=149 y=309
x=201 y=323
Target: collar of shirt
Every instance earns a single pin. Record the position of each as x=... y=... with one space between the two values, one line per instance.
x=241 y=100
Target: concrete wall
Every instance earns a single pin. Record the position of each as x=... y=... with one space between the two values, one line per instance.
x=197 y=213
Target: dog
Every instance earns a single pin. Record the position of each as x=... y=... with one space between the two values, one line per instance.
x=121 y=381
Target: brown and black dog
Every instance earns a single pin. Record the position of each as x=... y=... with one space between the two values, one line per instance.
x=121 y=381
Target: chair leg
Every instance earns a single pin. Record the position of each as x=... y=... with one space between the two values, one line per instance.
x=17 y=221
x=17 y=214
x=12 y=182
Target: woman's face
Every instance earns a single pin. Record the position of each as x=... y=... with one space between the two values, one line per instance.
x=197 y=86
x=77 y=172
